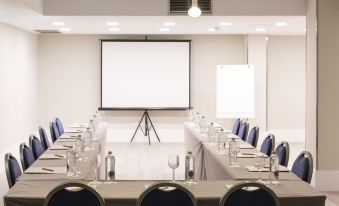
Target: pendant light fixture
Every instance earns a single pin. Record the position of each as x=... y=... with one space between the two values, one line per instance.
x=194 y=11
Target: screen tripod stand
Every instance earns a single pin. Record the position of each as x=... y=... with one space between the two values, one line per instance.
x=148 y=125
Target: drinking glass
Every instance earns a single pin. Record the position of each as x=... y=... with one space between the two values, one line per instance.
x=259 y=163
x=173 y=163
x=96 y=162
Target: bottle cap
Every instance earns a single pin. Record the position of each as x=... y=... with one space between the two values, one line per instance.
x=189 y=152
x=233 y=139
x=222 y=129
x=203 y=117
x=274 y=152
x=91 y=120
x=70 y=147
x=211 y=123
x=109 y=152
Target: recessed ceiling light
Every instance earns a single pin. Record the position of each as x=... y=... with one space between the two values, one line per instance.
x=65 y=29
x=225 y=24
x=211 y=29
x=281 y=24
x=164 y=29
x=260 y=29
x=114 y=29
x=111 y=23
x=58 y=23
x=169 y=23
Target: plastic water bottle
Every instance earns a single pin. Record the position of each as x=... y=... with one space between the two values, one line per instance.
x=202 y=125
x=274 y=168
x=80 y=148
x=233 y=152
x=110 y=166
x=211 y=132
x=92 y=126
x=71 y=161
x=221 y=141
x=189 y=167
x=88 y=139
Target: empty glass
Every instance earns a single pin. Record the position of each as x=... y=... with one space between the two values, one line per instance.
x=259 y=163
x=173 y=163
x=95 y=163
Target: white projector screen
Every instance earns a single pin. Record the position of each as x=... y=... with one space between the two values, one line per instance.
x=145 y=74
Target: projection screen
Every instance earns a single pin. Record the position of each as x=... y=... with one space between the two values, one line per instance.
x=148 y=74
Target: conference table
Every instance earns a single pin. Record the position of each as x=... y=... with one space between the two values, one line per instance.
x=32 y=189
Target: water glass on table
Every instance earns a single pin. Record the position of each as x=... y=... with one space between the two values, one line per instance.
x=173 y=163
x=95 y=164
x=259 y=163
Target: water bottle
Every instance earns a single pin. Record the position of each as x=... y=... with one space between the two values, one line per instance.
x=221 y=140
x=110 y=166
x=80 y=147
x=197 y=120
x=211 y=132
x=274 y=168
x=189 y=167
x=71 y=161
x=192 y=116
x=233 y=152
x=88 y=139
x=92 y=126
x=202 y=125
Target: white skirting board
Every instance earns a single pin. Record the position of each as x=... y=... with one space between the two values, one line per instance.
x=326 y=180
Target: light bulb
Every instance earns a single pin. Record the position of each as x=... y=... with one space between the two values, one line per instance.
x=194 y=11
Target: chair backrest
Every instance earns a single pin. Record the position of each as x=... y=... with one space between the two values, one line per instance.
x=253 y=136
x=13 y=170
x=26 y=156
x=268 y=145
x=303 y=166
x=166 y=194
x=36 y=146
x=283 y=152
x=243 y=130
x=59 y=125
x=44 y=138
x=73 y=193
x=236 y=126
x=249 y=193
x=54 y=131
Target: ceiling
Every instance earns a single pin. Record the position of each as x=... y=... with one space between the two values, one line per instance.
x=23 y=17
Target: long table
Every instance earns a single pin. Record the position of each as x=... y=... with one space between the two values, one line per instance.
x=212 y=166
x=31 y=190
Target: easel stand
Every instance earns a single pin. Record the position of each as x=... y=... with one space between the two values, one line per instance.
x=147 y=127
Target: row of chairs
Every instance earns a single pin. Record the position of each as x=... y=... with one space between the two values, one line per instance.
x=28 y=154
x=165 y=194
x=303 y=165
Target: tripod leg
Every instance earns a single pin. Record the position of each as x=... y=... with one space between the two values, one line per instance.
x=143 y=116
x=147 y=129
x=156 y=134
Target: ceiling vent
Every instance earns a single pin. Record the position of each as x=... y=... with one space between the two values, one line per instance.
x=182 y=6
x=47 y=31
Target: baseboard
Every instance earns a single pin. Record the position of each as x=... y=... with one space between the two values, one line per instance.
x=326 y=180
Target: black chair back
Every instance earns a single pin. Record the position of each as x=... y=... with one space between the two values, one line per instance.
x=59 y=125
x=243 y=130
x=268 y=145
x=13 y=170
x=283 y=152
x=54 y=131
x=36 y=146
x=26 y=156
x=250 y=193
x=236 y=126
x=253 y=136
x=44 y=138
x=73 y=194
x=166 y=194
x=303 y=166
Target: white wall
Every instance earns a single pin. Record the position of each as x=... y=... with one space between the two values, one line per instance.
x=286 y=86
x=19 y=53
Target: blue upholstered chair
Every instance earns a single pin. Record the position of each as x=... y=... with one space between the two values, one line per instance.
x=251 y=194
x=13 y=170
x=243 y=130
x=59 y=125
x=26 y=156
x=36 y=146
x=303 y=166
x=268 y=145
x=236 y=126
x=54 y=131
x=253 y=136
x=283 y=152
x=166 y=194
x=44 y=138
x=73 y=194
